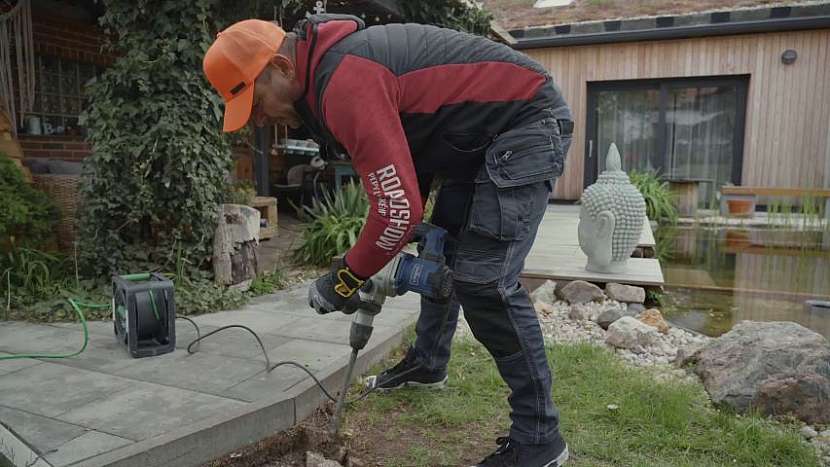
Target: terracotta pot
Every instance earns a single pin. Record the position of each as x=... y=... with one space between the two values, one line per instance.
x=740 y=207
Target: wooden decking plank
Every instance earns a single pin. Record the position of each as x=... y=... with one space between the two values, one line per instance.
x=562 y=229
x=556 y=254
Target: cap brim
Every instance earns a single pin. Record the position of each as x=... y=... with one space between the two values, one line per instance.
x=238 y=110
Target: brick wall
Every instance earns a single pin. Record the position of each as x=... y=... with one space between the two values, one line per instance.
x=71 y=40
x=69 y=148
x=68 y=39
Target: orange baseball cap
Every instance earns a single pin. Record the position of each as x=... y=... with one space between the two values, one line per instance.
x=233 y=62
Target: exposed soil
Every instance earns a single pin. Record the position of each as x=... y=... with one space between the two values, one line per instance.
x=288 y=448
x=363 y=443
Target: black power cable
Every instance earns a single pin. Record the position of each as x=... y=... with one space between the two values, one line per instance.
x=268 y=367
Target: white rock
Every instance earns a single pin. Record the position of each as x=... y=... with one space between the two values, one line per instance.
x=808 y=432
x=630 y=333
x=545 y=293
x=313 y=459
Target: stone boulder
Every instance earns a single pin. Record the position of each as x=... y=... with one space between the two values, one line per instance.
x=630 y=333
x=313 y=459
x=545 y=293
x=590 y=311
x=625 y=293
x=609 y=316
x=581 y=292
x=654 y=318
x=775 y=367
x=635 y=309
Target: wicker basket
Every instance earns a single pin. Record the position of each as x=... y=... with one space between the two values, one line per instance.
x=63 y=190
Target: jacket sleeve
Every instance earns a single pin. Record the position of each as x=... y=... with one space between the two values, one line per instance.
x=360 y=108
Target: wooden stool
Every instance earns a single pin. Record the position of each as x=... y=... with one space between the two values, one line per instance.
x=267 y=207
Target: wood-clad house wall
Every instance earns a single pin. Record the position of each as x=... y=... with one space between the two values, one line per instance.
x=788 y=108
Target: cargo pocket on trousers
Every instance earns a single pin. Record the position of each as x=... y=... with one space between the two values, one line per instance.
x=501 y=213
x=479 y=259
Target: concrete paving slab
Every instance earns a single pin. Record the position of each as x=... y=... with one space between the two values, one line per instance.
x=44 y=434
x=195 y=444
x=314 y=355
x=201 y=372
x=95 y=327
x=320 y=330
x=179 y=409
x=38 y=338
x=10 y=366
x=85 y=446
x=16 y=451
x=234 y=342
x=144 y=410
x=267 y=384
x=257 y=320
x=103 y=354
x=50 y=390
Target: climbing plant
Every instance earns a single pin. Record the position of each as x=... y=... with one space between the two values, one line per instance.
x=27 y=216
x=159 y=159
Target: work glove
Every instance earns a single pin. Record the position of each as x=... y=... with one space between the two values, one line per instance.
x=334 y=290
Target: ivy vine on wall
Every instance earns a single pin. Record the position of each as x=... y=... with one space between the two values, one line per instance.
x=159 y=158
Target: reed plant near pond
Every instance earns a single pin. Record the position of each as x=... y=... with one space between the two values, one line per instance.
x=807 y=213
x=660 y=203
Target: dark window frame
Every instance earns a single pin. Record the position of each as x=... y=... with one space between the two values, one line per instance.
x=741 y=82
x=59 y=94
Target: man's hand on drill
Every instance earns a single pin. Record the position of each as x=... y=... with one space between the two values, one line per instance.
x=335 y=290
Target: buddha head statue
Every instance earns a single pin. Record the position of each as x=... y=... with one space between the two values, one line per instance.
x=610 y=218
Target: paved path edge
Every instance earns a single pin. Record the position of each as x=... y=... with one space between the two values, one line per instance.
x=18 y=451
x=207 y=439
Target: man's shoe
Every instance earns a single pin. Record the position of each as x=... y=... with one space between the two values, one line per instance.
x=408 y=372
x=512 y=454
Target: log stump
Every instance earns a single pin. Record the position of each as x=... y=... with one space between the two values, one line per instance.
x=235 y=243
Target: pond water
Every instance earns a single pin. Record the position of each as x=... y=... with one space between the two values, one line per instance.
x=717 y=277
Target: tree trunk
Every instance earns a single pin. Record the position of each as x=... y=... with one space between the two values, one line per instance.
x=234 y=245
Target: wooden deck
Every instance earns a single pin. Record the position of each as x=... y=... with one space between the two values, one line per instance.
x=556 y=254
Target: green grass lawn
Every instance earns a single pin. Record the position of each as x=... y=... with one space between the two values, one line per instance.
x=656 y=424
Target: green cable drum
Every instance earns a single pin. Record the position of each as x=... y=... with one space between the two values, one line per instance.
x=145 y=313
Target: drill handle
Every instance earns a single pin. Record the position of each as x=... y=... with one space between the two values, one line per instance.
x=431 y=239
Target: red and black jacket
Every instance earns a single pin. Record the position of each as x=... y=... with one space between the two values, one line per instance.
x=407 y=102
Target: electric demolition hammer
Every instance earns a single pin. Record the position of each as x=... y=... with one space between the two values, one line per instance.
x=426 y=274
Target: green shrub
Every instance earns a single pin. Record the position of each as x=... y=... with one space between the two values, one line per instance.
x=199 y=296
x=240 y=192
x=267 y=283
x=336 y=222
x=159 y=161
x=659 y=199
x=27 y=216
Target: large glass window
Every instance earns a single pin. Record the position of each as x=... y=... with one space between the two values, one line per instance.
x=689 y=130
x=59 y=96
